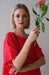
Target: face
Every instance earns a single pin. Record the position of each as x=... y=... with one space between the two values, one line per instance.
x=20 y=18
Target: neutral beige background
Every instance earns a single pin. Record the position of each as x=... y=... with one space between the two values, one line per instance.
x=6 y=7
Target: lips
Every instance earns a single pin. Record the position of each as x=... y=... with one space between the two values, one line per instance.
x=21 y=23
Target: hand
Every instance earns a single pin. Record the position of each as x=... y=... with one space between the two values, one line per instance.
x=34 y=33
x=13 y=69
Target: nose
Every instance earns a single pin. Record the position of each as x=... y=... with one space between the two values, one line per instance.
x=21 y=18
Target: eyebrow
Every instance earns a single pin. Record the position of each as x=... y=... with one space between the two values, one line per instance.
x=23 y=14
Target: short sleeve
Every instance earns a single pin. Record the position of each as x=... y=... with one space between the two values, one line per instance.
x=38 y=51
x=10 y=49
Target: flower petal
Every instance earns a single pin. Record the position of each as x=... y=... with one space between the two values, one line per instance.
x=40 y=2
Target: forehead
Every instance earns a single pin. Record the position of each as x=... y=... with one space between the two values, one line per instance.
x=21 y=11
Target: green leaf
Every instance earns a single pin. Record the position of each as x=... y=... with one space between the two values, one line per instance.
x=37 y=21
x=43 y=26
x=34 y=11
x=44 y=11
x=47 y=19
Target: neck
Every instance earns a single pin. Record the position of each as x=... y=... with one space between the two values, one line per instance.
x=19 y=31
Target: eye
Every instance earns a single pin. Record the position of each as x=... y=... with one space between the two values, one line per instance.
x=17 y=15
x=24 y=15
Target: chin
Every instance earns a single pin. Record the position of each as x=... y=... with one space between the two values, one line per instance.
x=21 y=27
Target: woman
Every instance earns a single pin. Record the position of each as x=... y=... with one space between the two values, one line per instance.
x=20 y=54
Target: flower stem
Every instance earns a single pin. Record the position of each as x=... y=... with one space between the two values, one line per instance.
x=35 y=43
x=43 y=18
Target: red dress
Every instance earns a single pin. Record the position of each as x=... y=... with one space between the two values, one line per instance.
x=12 y=45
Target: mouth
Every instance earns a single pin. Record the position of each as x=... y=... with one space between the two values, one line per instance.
x=21 y=23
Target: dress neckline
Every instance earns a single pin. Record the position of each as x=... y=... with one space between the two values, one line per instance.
x=20 y=36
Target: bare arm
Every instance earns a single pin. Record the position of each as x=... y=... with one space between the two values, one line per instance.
x=20 y=59
x=36 y=64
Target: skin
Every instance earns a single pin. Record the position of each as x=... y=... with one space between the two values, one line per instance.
x=20 y=16
x=32 y=66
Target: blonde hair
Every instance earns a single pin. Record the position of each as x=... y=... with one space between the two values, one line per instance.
x=13 y=25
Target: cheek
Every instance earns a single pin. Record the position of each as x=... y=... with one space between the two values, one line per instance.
x=15 y=19
x=25 y=21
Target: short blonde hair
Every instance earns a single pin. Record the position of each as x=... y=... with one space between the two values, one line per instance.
x=12 y=15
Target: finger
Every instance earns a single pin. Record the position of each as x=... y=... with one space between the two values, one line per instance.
x=16 y=72
x=37 y=32
x=12 y=70
x=36 y=29
x=11 y=64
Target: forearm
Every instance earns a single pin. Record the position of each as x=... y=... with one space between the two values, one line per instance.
x=38 y=63
x=20 y=59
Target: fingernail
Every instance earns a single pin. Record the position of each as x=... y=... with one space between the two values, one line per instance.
x=16 y=72
x=9 y=72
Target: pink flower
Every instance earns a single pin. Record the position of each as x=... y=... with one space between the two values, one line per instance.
x=40 y=2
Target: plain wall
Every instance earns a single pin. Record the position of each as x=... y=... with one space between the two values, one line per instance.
x=6 y=7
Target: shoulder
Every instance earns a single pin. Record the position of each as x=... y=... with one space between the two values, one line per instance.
x=8 y=33
x=9 y=36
